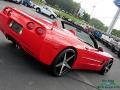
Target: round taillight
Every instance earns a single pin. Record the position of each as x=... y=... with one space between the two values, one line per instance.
x=9 y=13
x=5 y=10
x=39 y=31
x=30 y=25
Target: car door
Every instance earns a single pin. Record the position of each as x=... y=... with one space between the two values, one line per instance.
x=87 y=54
x=46 y=11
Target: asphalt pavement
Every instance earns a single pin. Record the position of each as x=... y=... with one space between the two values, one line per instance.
x=19 y=71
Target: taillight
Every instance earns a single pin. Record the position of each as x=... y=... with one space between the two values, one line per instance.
x=30 y=25
x=7 y=11
x=39 y=31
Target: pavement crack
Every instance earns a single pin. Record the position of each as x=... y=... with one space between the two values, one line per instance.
x=86 y=82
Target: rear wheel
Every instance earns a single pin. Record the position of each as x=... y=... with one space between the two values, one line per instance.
x=38 y=10
x=106 y=67
x=63 y=62
x=26 y=4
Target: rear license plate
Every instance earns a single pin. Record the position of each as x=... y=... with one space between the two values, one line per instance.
x=16 y=27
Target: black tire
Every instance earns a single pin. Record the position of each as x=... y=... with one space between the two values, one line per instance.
x=38 y=10
x=26 y=4
x=113 y=49
x=52 y=16
x=19 y=2
x=119 y=53
x=106 y=67
x=63 y=62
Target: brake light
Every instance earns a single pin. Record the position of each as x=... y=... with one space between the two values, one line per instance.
x=30 y=25
x=39 y=31
x=7 y=11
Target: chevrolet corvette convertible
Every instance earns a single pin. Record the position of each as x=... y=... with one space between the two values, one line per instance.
x=63 y=46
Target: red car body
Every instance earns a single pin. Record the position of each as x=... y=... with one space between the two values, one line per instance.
x=44 y=40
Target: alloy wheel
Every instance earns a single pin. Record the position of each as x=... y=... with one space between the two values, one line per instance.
x=64 y=62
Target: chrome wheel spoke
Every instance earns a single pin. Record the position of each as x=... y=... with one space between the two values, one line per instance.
x=107 y=68
x=109 y=64
x=70 y=58
x=63 y=64
x=61 y=70
x=67 y=65
x=64 y=58
x=59 y=64
x=64 y=70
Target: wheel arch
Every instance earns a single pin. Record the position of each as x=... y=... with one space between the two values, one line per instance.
x=37 y=7
x=52 y=15
x=68 y=47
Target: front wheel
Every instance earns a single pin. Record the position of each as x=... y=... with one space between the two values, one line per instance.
x=113 y=49
x=52 y=16
x=63 y=62
x=106 y=67
x=119 y=53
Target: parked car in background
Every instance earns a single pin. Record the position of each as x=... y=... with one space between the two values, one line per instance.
x=46 y=10
x=28 y=3
x=16 y=1
x=63 y=46
x=109 y=41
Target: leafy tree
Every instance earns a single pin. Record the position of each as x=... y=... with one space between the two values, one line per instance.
x=69 y=6
x=116 y=32
x=97 y=24
x=86 y=17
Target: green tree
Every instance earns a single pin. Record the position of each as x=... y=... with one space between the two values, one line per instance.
x=86 y=17
x=97 y=24
x=116 y=32
x=69 y=6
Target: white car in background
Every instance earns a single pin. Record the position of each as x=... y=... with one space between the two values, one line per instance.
x=46 y=10
x=16 y=1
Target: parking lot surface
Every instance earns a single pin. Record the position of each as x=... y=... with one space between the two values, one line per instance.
x=19 y=71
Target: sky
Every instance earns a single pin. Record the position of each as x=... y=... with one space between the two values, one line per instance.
x=104 y=10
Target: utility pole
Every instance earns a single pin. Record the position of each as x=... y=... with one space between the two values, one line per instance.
x=93 y=10
x=110 y=28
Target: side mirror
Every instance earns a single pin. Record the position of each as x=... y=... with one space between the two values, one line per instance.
x=100 y=49
x=72 y=31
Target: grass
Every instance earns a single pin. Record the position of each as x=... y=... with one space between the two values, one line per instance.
x=37 y=1
x=73 y=18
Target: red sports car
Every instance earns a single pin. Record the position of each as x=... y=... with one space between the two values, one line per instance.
x=63 y=46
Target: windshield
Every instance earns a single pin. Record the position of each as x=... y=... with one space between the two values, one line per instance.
x=79 y=33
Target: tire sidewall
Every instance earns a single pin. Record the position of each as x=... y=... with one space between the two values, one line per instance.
x=58 y=58
x=102 y=72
